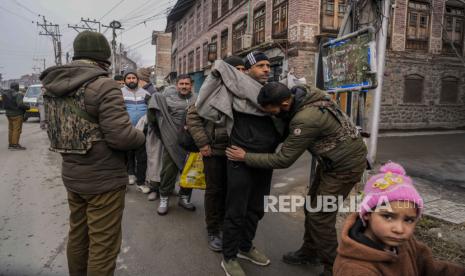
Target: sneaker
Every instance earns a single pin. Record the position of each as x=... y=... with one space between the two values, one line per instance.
x=300 y=257
x=232 y=268
x=16 y=147
x=132 y=179
x=185 y=203
x=152 y=196
x=254 y=256
x=143 y=188
x=163 y=206
x=215 y=243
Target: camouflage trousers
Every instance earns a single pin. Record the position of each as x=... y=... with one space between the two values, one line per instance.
x=94 y=238
x=320 y=238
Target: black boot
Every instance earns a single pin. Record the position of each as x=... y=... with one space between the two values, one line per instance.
x=301 y=257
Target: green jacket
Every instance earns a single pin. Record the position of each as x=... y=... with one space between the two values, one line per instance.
x=16 y=106
x=308 y=125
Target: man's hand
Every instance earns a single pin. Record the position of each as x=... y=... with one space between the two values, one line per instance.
x=205 y=151
x=235 y=153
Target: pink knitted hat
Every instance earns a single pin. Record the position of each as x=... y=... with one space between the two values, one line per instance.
x=390 y=184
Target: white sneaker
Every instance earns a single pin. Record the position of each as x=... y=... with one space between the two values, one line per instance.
x=163 y=206
x=143 y=188
x=132 y=179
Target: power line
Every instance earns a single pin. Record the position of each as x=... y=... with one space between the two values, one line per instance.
x=20 y=16
x=26 y=8
x=108 y=12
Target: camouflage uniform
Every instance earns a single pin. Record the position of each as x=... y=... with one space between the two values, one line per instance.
x=318 y=126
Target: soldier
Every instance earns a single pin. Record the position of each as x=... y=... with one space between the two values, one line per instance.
x=316 y=124
x=82 y=101
x=14 y=111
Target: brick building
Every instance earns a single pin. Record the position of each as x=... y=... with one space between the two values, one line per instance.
x=162 y=41
x=425 y=80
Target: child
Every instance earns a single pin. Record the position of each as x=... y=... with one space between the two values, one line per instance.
x=379 y=240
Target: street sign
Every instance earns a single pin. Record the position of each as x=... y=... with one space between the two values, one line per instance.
x=349 y=62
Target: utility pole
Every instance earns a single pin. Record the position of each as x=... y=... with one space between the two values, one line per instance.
x=115 y=25
x=86 y=26
x=52 y=30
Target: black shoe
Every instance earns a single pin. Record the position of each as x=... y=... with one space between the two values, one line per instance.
x=300 y=257
x=16 y=147
x=215 y=243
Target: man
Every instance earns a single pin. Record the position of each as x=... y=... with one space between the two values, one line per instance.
x=319 y=126
x=247 y=186
x=82 y=101
x=212 y=138
x=14 y=111
x=144 y=80
x=40 y=104
x=136 y=99
x=119 y=79
x=167 y=114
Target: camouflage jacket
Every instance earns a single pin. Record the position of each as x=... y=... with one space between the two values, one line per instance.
x=314 y=127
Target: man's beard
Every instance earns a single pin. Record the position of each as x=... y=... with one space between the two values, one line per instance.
x=132 y=85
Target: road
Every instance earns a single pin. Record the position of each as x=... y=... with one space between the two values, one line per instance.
x=34 y=211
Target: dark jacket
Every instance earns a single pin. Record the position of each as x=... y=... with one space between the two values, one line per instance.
x=103 y=168
x=206 y=132
x=308 y=124
x=150 y=88
x=13 y=103
x=360 y=258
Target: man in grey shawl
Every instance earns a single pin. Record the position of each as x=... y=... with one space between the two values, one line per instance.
x=167 y=112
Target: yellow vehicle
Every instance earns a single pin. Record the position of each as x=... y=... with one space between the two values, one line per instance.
x=31 y=99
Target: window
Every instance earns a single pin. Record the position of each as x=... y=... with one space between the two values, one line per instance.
x=238 y=31
x=259 y=26
x=454 y=19
x=418 y=25
x=214 y=10
x=190 y=66
x=205 y=55
x=199 y=19
x=197 y=59
x=180 y=66
x=413 y=91
x=279 y=27
x=205 y=8
x=184 y=65
x=181 y=37
x=224 y=7
x=449 y=90
x=213 y=49
x=190 y=25
x=332 y=13
x=224 y=43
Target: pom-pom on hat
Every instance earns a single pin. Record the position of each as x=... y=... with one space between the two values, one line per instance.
x=391 y=184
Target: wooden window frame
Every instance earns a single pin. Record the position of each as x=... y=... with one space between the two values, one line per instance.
x=334 y=14
x=418 y=18
x=205 y=54
x=237 y=34
x=280 y=18
x=224 y=43
x=215 y=15
x=259 y=22
x=224 y=7
x=197 y=59
x=456 y=17
x=190 y=61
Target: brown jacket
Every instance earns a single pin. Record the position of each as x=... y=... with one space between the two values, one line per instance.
x=207 y=133
x=413 y=258
x=103 y=168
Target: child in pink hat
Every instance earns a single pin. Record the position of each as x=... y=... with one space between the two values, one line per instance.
x=379 y=239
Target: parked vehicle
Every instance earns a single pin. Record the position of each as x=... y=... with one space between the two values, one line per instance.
x=31 y=98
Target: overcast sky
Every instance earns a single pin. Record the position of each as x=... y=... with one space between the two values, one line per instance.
x=20 y=42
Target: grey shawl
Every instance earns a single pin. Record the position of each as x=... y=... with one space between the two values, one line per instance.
x=232 y=90
x=170 y=109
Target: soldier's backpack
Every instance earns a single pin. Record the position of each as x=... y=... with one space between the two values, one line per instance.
x=70 y=128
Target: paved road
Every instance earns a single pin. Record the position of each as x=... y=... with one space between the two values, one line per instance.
x=33 y=225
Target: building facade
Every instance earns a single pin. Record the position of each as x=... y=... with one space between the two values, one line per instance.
x=162 y=42
x=425 y=71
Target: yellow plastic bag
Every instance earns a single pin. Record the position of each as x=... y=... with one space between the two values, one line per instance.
x=192 y=174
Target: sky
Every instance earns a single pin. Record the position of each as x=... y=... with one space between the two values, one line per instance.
x=22 y=48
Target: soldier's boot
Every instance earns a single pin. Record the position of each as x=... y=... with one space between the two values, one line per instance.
x=300 y=257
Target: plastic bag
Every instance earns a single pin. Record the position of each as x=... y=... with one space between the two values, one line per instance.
x=192 y=174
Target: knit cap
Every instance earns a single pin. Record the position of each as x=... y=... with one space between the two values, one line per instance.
x=144 y=74
x=91 y=45
x=391 y=184
x=254 y=57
